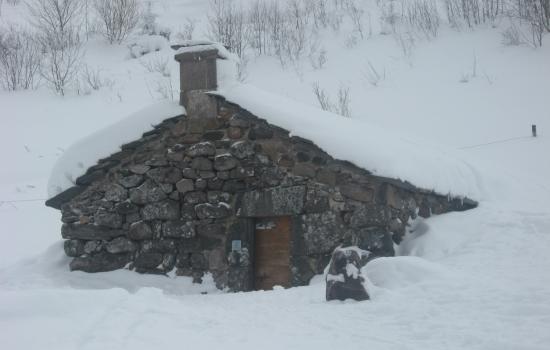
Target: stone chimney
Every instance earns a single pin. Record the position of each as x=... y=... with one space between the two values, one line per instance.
x=198 y=75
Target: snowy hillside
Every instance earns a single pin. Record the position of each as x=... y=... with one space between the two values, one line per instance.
x=476 y=280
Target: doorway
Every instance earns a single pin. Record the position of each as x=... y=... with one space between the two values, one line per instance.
x=272 y=253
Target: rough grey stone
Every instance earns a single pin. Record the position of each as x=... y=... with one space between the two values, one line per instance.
x=178 y=229
x=201 y=163
x=357 y=192
x=93 y=247
x=215 y=184
x=201 y=184
x=89 y=232
x=139 y=169
x=107 y=219
x=225 y=162
x=148 y=260
x=369 y=215
x=202 y=149
x=140 y=230
x=185 y=185
x=148 y=192
x=274 y=201
x=321 y=232
x=165 y=210
x=242 y=149
x=344 y=280
x=238 y=120
x=260 y=132
x=189 y=173
x=73 y=247
x=115 y=193
x=121 y=245
x=195 y=197
x=100 y=262
x=131 y=181
x=126 y=207
x=212 y=211
x=376 y=240
x=242 y=172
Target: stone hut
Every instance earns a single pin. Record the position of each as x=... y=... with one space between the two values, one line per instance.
x=222 y=191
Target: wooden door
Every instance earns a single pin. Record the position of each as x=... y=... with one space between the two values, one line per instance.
x=272 y=253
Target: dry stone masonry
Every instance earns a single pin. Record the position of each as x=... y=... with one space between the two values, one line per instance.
x=178 y=197
x=188 y=194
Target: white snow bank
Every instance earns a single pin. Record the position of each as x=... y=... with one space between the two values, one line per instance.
x=401 y=271
x=83 y=154
x=383 y=152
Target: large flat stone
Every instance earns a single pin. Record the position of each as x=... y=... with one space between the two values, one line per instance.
x=275 y=201
x=89 y=232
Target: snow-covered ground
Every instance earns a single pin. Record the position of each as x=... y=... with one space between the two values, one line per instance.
x=475 y=280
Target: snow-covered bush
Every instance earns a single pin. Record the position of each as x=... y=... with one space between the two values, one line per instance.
x=149 y=23
x=143 y=45
x=186 y=32
x=118 y=18
x=19 y=59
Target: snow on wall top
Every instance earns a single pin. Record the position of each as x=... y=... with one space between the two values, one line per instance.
x=85 y=153
x=187 y=46
x=378 y=150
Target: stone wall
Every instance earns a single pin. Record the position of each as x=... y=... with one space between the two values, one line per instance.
x=178 y=197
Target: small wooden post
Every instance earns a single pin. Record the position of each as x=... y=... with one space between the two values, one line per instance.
x=534 y=130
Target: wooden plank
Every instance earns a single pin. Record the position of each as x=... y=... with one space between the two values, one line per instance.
x=272 y=253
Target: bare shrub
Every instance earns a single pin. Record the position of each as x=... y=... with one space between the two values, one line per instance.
x=355 y=13
x=537 y=14
x=118 y=18
x=389 y=17
x=344 y=101
x=93 y=78
x=511 y=36
x=342 y=106
x=422 y=15
x=61 y=59
x=258 y=26
x=157 y=65
x=374 y=76
x=19 y=59
x=322 y=98
x=226 y=24
x=473 y=12
x=186 y=32
x=165 y=89
x=55 y=17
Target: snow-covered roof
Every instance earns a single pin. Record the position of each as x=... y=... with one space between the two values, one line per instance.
x=85 y=153
x=380 y=151
x=383 y=152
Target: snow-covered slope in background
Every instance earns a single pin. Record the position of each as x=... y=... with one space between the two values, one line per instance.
x=475 y=280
